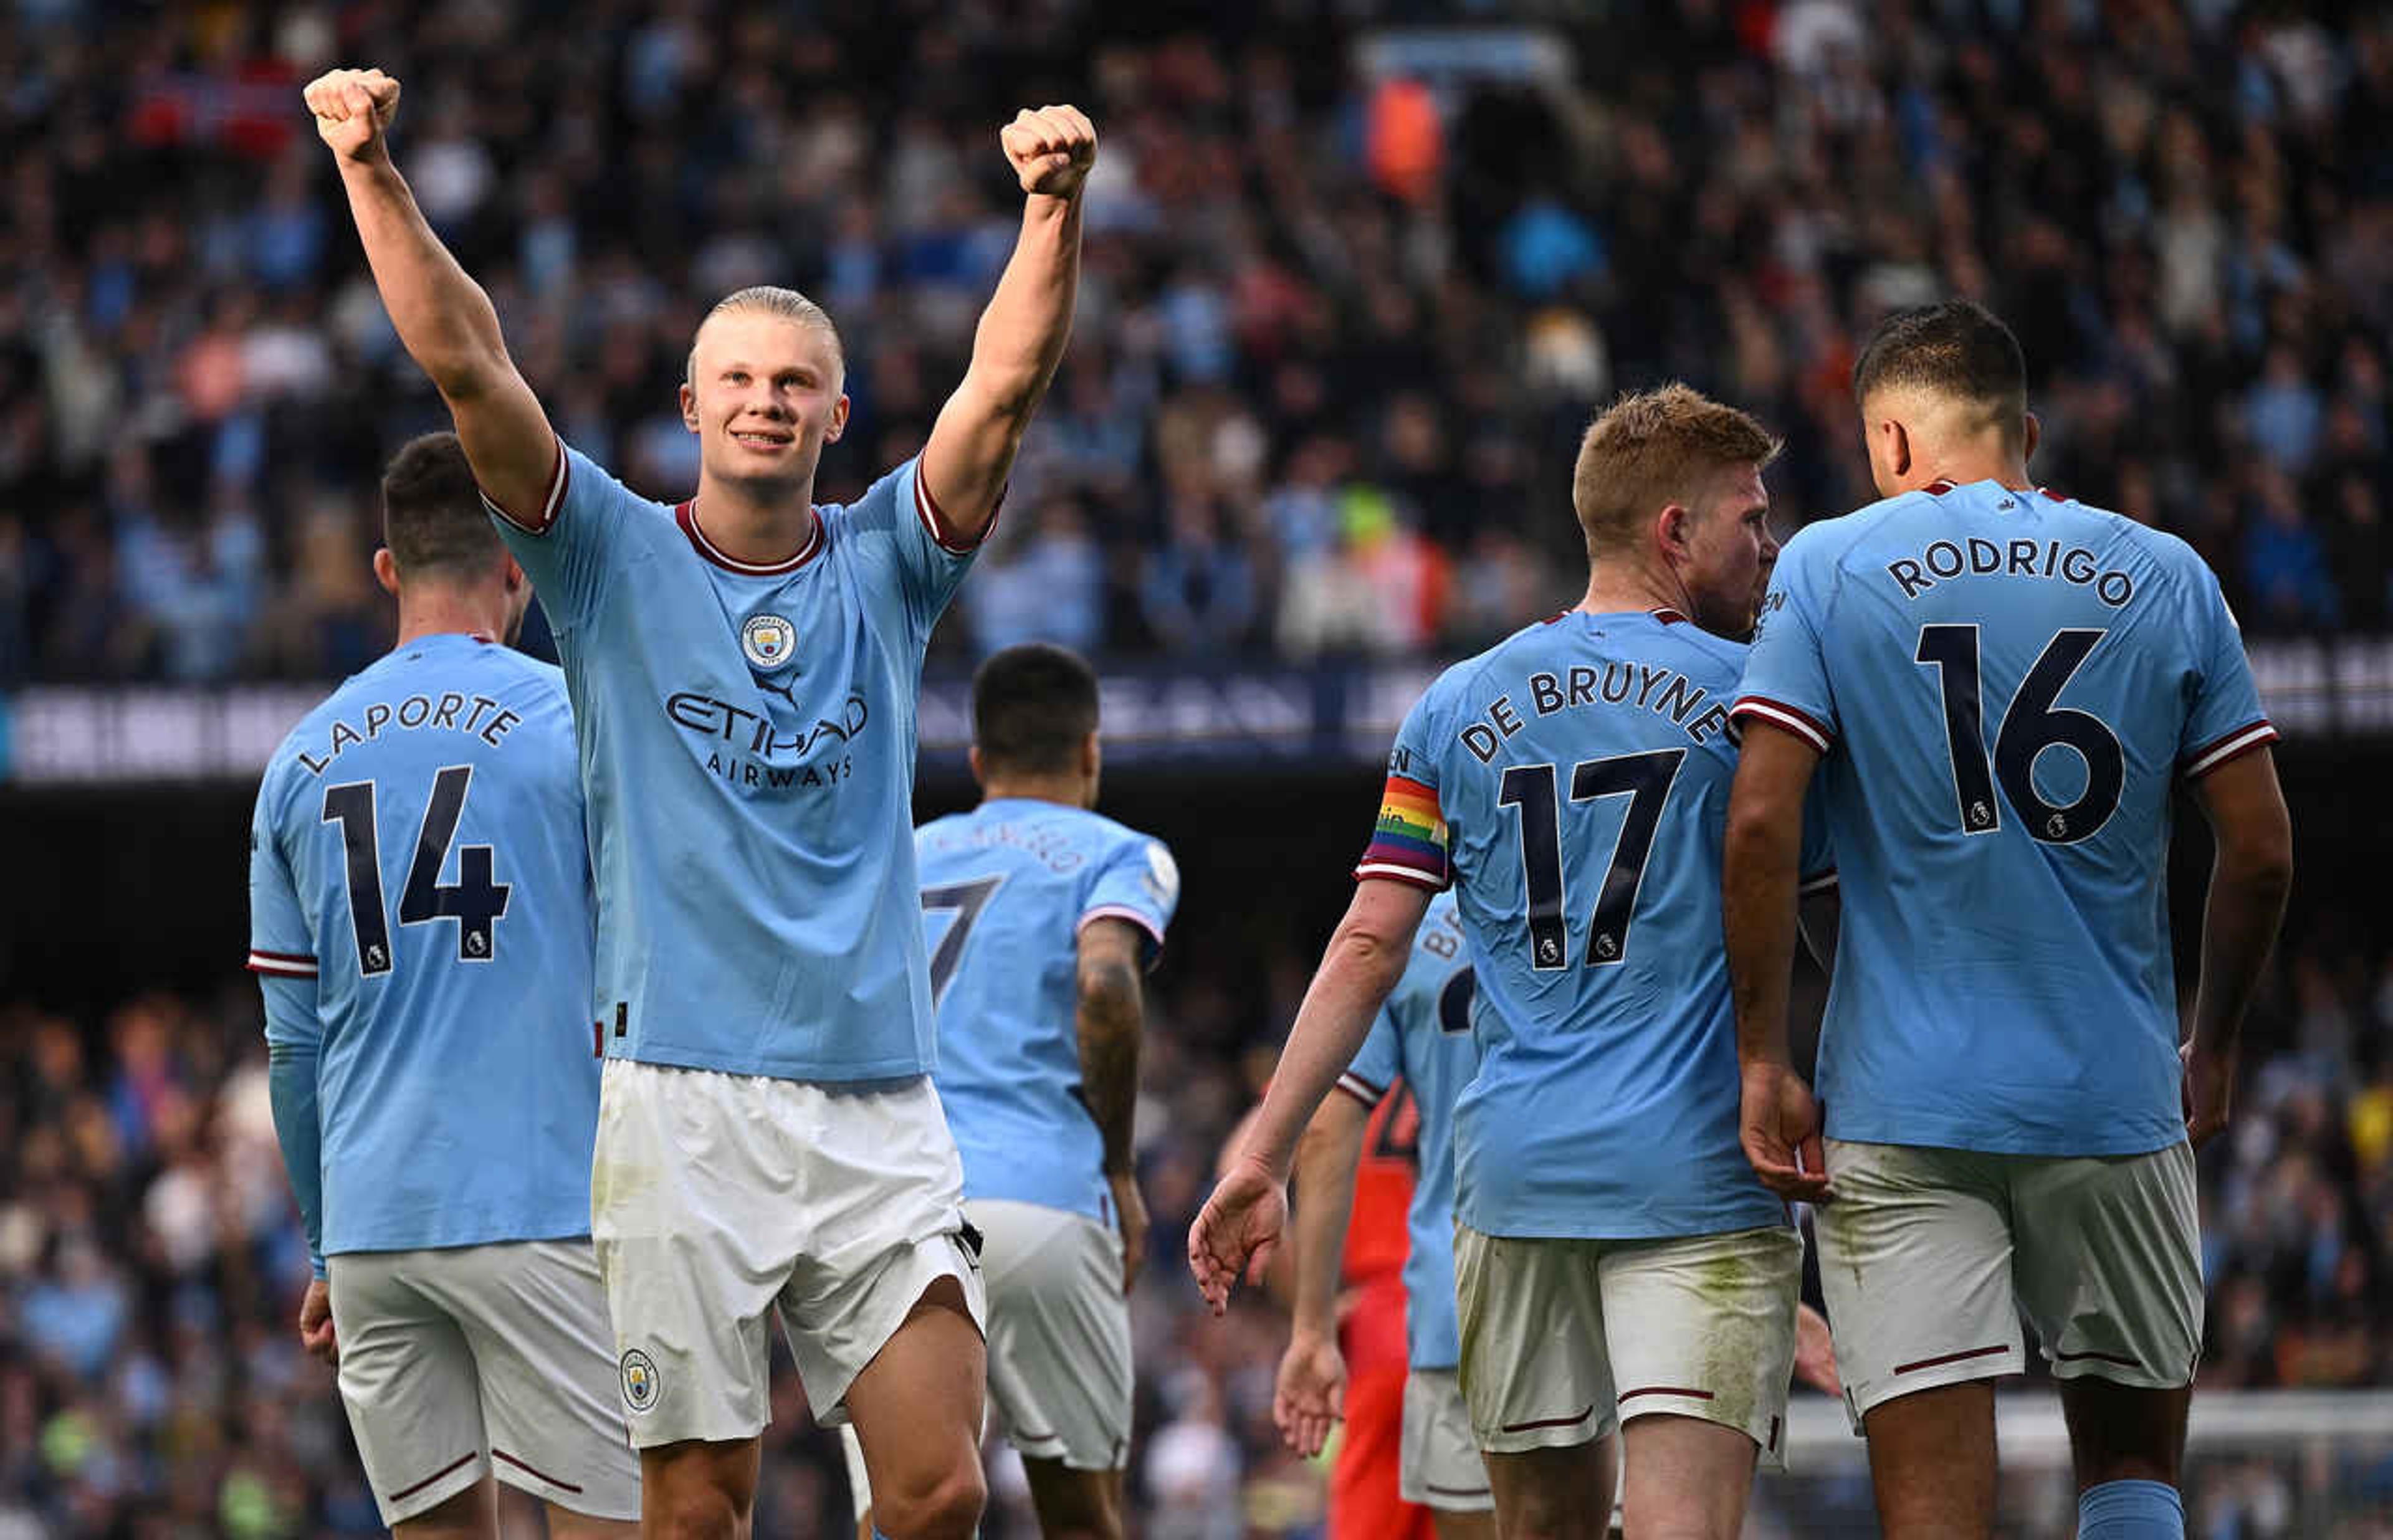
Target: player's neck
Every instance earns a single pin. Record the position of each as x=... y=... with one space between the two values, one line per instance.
x=1618 y=588
x=758 y=525
x=1064 y=790
x=442 y=612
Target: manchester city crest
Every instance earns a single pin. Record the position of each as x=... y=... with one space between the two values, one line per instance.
x=639 y=1380
x=766 y=639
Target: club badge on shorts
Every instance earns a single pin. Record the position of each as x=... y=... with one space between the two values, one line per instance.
x=766 y=639
x=639 y=1374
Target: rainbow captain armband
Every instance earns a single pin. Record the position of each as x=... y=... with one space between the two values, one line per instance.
x=1408 y=842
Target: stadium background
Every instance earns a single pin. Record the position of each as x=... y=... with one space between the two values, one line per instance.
x=1356 y=273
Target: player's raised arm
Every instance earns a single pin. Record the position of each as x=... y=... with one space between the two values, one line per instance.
x=443 y=318
x=1239 y=1226
x=2250 y=875
x=1311 y=1388
x=1107 y=1015
x=1022 y=333
x=1759 y=874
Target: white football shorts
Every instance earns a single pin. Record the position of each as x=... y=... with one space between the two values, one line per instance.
x=1438 y=1463
x=1563 y=1340
x=1928 y=1257
x=466 y=1360
x=718 y=1200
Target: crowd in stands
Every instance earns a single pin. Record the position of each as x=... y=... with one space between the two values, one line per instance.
x=1352 y=287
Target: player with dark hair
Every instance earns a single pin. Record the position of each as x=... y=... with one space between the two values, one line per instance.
x=420 y=923
x=2000 y=691
x=745 y=669
x=1040 y=915
x=1616 y=1262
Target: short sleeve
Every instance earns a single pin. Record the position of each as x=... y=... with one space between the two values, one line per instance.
x=1786 y=673
x=569 y=544
x=902 y=530
x=2223 y=716
x=280 y=942
x=1410 y=839
x=1377 y=1063
x=1140 y=882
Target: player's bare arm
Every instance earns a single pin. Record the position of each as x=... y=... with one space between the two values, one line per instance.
x=443 y=319
x=1107 y=1018
x=1022 y=333
x=1239 y=1227
x=2249 y=874
x=1780 y=1122
x=1312 y=1390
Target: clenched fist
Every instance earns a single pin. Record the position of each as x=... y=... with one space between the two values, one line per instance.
x=1050 y=149
x=352 y=108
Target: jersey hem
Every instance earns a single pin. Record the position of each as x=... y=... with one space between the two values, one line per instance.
x=1403 y=874
x=1969 y=1139
x=934 y=520
x=666 y=1056
x=2235 y=745
x=1773 y=1217
x=1123 y=912
x=1789 y=718
x=550 y=506
x=281 y=965
x=506 y=1234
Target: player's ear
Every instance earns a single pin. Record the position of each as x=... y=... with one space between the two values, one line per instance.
x=2035 y=437
x=972 y=757
x=1673 y=528
x=1898 y=446
x=514 y=575
x=385 y=568
x=838 y=420
x=688 y=407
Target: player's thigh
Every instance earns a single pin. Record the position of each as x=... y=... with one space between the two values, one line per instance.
x=696 y=1228
x=552 y=1399
x=1702 y=1327
x=409 y=1385
x=2108 y=1265
x=1916 y=1265
x=1535 y=1371
x=1084 y=1505
x=1441 y=1467
x=1561 y=1492
x=884 y=1310
x=1059 y=1342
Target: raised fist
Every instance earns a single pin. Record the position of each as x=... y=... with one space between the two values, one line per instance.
x=1051 y=149
x=352 y=108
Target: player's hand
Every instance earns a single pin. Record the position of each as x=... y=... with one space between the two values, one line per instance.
x=2209 y=1094
x=1779 y=1122
x=316 y=1322
x=1130 y=1211
x=1050 y=149
x=353 y=108
x=1239 y=1229
x=1815 y=1351
x=1311 y=1395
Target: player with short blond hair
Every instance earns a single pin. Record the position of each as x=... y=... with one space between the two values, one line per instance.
x=1616 y=1262
x=745 y=669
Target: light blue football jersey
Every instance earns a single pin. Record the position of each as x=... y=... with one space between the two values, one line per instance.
x=2007 y=687
x=1006 y=888
x=747 y=735
x=1571 y=782
x=417 y=869
x=1421 y=1042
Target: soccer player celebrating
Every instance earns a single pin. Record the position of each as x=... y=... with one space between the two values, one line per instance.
x=1615 y=1257
x=2007 y=687
x=419 y=898
x=745 y=669
x=1039 y=916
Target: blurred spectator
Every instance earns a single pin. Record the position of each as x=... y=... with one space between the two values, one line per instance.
x=1420 y=278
